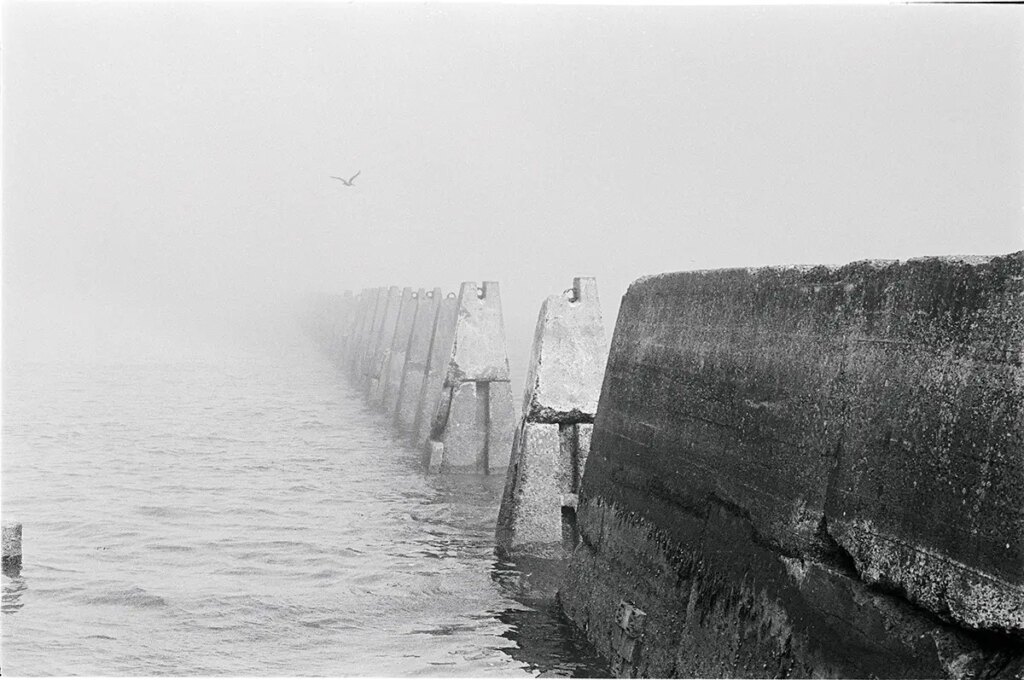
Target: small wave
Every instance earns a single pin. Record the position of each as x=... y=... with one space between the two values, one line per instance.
x=132 y=597
x=168 y=547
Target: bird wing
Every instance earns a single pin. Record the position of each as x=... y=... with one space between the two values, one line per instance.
x=355 y=175
x=338 y=178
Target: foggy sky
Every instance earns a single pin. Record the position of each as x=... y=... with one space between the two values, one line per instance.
x=165 y=166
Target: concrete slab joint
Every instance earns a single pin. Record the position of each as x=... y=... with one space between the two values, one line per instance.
x=538 y=509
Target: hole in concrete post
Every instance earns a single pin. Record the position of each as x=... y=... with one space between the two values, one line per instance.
x=483 y=419
x=451 y=295
x=570 y=532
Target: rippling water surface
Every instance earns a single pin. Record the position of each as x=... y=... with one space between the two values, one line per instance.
x=248 y=515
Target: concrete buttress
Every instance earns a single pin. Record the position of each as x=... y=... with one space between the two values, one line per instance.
x=392 y=377
x=563 y=384
x=415 y=369
x=382 y=344
x=474 y=421
x=442 y=336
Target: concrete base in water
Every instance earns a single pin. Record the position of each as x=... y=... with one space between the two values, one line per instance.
x=811 y=471
x=11 y=547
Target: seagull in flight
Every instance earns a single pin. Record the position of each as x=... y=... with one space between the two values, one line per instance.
x=347 y=182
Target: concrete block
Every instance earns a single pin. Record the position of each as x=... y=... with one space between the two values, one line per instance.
x=479 y=352
x=568 y=357
x=812 y=471
x=415 y=370
x=382 y=345
x=442 y=338
x=400 y=349
x=12 y=547
x=537 y=514
x=530 y=518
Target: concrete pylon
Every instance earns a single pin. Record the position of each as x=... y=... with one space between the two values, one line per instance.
x=375 y=303
x=358 y=314
x=341 y=331
x=395 y=365
x=441 y=338
x=417 y=356
x=474 y=422
x=381 y=341
x=567 y=363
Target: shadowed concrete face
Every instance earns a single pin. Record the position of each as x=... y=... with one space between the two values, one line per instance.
x=813 y=471
x=538 y=507
x=400 y=348
x=416 y=362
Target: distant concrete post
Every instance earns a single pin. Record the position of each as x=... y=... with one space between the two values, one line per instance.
x=567 y=362
x=399 y=350
x=375 y=383
x=418 y=354
x=373 y=307
x=341 y=330
x=12 y=547
x=373 y=334
x=358 y=313
x=474 y=432
x=442 y=337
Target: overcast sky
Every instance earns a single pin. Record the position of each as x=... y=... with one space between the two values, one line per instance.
x=166 y=166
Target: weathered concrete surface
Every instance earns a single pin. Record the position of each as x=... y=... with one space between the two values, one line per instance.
x=415 y=370
x=465 y=433
x=442 y=337
x=11 y=547
x=478 y=358
x=400 y=349
x=812 y=471
x=537 y=515
x=382 y=344
x=567 y=361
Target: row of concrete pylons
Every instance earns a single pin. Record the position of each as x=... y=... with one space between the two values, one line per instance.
x=437 y=365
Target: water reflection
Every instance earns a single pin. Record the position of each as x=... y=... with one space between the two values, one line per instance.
x=545 y=640
x=14 y=587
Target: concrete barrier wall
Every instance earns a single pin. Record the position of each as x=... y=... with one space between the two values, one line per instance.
x=810 y=471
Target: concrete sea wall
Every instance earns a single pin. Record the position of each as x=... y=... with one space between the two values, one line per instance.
x=810 y=471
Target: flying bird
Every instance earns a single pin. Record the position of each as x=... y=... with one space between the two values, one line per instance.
x=347 y=182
